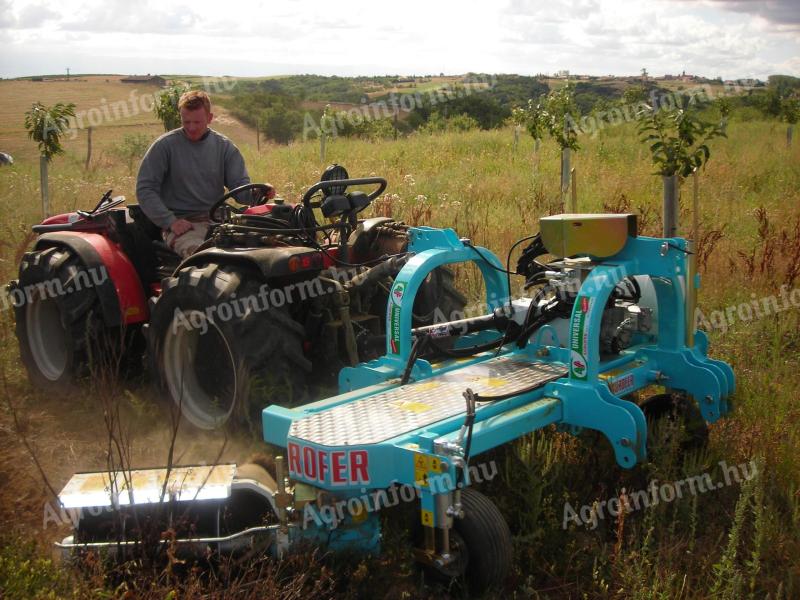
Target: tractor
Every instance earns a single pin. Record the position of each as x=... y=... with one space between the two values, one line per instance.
x=267 y=310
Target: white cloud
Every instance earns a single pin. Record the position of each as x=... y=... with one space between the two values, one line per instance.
x=36 y=15
x=419 y=36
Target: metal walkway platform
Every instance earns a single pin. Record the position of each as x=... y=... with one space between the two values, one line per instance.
x=389 y=414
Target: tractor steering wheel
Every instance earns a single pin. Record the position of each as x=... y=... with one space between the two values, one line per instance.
x=212 y=216
x=343 y=183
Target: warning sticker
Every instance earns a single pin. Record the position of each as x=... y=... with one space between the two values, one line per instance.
x=414 y=407
x=423 y=464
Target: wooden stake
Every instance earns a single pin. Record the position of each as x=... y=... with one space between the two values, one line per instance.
x=43 y=186
x=564 y=175
x=574 y=183
x=88 y=147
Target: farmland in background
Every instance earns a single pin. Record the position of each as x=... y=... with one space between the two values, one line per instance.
x=736 y=542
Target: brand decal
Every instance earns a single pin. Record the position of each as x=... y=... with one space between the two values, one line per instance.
x=621 y=385
x=332 y=467
x=579 y=341
x=394 y=308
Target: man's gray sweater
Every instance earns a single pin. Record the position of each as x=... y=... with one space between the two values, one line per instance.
x=178 y=177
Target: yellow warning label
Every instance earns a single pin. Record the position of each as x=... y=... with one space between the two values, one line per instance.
x=427 y=518
x=423 y=465
x=415 y=407
x=426 y=386
x=491 y=382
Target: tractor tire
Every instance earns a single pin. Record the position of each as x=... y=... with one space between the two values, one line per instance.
x=59 y=327
x=221 y=366
x=480 y=543
x=678 y=413
x=438 y=300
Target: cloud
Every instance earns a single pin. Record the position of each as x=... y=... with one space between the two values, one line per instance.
x=780 y=12
x=7 y=18
x=134 y=17
x=35 y=15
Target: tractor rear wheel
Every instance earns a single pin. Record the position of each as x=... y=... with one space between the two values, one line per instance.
x=59 y=322
x=220 y=352
x=438 y=300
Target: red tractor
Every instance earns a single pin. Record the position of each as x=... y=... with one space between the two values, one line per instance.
x=270 y=306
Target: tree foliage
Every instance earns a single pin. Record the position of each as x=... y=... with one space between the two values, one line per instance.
x=559 y=117
x=790 y=110
x=166 y=106
x=46 y=126
x=678 y=138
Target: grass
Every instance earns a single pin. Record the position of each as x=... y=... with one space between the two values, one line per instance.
x=735 y=542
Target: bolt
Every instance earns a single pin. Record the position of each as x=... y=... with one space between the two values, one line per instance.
x=709 y=400
x=625 y=442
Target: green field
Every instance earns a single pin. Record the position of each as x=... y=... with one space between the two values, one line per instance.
x=739 y=541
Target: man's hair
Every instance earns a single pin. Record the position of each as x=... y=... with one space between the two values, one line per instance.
x=195 y=99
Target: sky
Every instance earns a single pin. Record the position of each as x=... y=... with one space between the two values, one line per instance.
x=731 y=39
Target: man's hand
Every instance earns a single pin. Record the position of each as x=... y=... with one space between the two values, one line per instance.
x=263 y=195
x=180 y=226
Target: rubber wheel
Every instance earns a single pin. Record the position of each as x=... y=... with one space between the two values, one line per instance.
x=677 y=413
x=218 y=353
x=480 y=543
x=59 y=324
x=438 y=299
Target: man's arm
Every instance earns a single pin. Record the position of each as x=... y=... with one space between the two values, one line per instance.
x=152 y=172
x=236 y=175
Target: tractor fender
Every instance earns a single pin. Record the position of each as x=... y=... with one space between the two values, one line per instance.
x=270 y=262
x=121 y=295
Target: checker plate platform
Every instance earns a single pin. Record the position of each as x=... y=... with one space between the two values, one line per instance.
x=386 y=415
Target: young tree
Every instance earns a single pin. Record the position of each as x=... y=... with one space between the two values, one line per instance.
x=725 y=108
x=678 y=141
x=790 y=112
x=166 y=106
x=559 y=117
x=46 y=126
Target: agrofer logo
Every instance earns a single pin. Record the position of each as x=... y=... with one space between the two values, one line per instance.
x=578 y=364
x=397 y=292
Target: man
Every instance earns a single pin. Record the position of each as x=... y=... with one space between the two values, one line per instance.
x=185 y=171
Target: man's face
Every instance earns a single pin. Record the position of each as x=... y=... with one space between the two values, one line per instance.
x=195 y=122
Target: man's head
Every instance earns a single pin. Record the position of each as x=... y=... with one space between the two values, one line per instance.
x=195 y=109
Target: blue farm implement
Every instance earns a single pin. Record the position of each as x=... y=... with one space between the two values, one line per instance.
x=609 y=316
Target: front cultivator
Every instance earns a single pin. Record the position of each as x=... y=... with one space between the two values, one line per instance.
x=605 y=318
